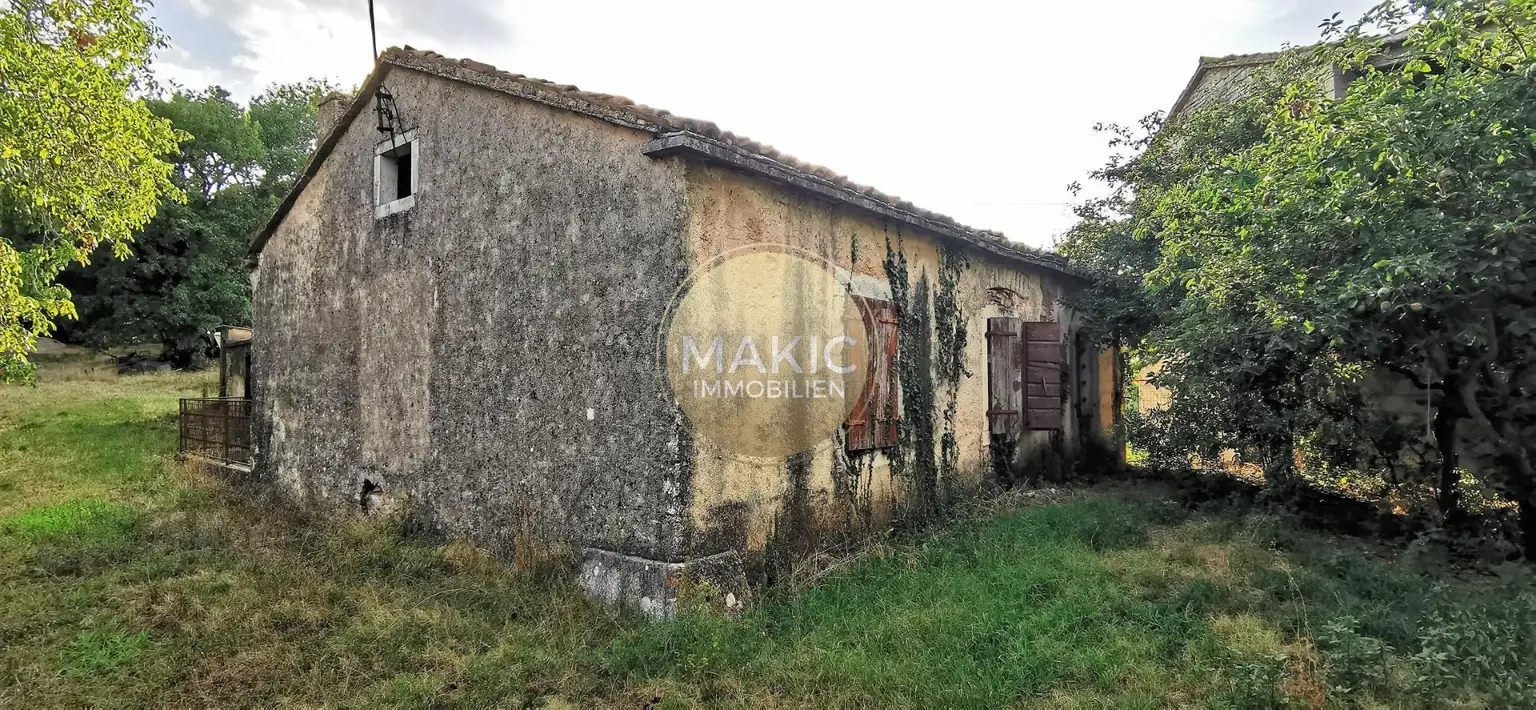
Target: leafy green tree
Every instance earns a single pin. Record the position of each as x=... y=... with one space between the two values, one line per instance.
x=187 y=276
x=80 y=163
x=1121 y=237
x=1384 y=234
x=285 y=117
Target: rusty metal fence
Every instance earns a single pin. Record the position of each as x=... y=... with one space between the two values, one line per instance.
x=217 y=428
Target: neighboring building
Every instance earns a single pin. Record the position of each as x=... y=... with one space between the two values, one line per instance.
x=1229 y=77
x=461 y=310
x=1220 y=79
x=234 y=361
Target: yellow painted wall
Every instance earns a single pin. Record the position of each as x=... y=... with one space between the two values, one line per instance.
x=1108 y=384
x=729 y=210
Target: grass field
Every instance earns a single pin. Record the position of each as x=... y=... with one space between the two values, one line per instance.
x=127 y=581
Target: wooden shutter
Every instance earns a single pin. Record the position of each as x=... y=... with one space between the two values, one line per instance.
x=873 y=423
x=887 y=405
x=861 y=435
x=1005 y=365
x=1042 y=375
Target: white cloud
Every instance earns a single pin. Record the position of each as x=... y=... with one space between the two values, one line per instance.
x=284 y=42
x=981 y=110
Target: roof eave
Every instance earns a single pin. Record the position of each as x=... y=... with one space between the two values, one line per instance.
x=686 y=142
x=1189 y=89
x=700 y=147
x=322 y=149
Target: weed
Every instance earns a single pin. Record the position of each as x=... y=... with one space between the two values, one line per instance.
x=101 y=652
x=1088 y=598
x=1357 y=663
x=80 y=521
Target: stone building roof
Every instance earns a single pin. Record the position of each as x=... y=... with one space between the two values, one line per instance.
x=1228 y=71
x=675 y=135
x=1225 y=77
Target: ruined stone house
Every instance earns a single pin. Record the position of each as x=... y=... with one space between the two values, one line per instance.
x=459 y=305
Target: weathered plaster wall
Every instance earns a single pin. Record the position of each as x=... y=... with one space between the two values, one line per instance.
x=783 y=508
x=488 y=354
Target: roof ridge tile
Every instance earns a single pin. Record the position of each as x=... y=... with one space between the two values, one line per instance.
x=624 y=111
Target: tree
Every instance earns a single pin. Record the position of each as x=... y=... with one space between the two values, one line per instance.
x=1385 y=234
x=1122 y=240
x=187 y=274
x=285 y=117
x=80 y=163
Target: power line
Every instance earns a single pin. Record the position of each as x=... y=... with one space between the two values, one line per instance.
x=373 y=31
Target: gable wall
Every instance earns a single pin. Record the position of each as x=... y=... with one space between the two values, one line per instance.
x=488 y=354
x=1233 y=82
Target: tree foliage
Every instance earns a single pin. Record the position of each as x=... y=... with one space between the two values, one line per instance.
x=187 y=276
x=80 y=163
x=1292 y=258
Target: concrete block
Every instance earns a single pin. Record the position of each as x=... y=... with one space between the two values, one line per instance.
x=717 y=582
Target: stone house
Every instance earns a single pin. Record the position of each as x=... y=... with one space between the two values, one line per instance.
x=1230 y=77
x=462 y=309
x=1401 y=397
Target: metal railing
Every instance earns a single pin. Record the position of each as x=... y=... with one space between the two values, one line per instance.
x=217 y=428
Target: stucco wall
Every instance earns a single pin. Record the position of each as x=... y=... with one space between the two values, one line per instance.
x=489 y=353
x=785 y=508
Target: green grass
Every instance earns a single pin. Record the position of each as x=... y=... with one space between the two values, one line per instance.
x=127 y=581
x=1012 y=608
x=96 y=653
x=1114 y=599
x=86 y=433
x=99 y=521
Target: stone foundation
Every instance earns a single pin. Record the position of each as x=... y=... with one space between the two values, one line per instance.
x=653 y=587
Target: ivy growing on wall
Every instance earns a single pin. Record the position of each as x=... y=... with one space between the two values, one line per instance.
x=930 y=363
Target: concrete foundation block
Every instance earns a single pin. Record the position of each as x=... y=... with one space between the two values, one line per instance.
x=659 y=589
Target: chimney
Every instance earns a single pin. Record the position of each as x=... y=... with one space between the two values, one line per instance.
x=329 y=112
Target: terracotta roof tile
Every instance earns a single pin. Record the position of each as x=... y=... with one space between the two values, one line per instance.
x=625 y=111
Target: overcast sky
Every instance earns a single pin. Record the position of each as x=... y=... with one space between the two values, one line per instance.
x=982 y=110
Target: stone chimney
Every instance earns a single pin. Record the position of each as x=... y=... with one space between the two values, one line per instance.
x=329 y=112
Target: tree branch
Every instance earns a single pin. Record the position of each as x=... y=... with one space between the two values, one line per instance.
x=1412 y=376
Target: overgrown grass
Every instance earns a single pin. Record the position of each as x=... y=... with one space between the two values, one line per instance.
x=126 y=581
x=84 y=433
x=1115 y=599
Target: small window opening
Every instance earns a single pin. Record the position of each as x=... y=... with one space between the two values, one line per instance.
x=395 y=181
x=403 y=174
x=395 y=169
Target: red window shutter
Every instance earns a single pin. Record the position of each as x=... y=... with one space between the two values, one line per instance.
x=1042 y=375
x=1005 y=365
x=861 y=435
x=873 y=423
x=886 y=404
